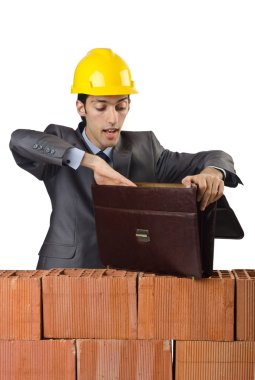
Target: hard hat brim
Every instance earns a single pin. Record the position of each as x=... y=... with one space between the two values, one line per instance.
x=102 y=91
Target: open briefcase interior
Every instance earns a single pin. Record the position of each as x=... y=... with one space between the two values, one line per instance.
x=154 y=228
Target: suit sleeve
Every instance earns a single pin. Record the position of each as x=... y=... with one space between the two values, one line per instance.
x=39 y=153
x=174 y=166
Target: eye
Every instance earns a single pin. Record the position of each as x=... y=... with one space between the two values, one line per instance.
x=121 y=107
x=100 y=109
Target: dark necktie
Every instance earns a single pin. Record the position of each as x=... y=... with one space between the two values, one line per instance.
x=104 y=156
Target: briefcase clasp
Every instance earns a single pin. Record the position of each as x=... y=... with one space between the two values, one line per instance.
x=142 y=235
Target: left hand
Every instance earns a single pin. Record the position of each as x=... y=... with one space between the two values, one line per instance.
x=210 y=186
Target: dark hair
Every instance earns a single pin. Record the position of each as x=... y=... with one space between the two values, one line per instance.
x=82 y=98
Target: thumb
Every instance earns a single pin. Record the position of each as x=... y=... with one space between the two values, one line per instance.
x=186 y=182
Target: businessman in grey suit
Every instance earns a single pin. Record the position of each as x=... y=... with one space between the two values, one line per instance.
x=70 y=161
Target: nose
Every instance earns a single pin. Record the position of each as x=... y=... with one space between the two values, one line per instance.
x=112 y=116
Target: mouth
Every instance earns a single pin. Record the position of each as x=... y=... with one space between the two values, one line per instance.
x=111 y=132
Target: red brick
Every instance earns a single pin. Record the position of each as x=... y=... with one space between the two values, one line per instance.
x=79 y=303
x=215 y=360
x=245 y=304
x=37 y=360
x=186 y=309
x=124 y=360
x=20 y=304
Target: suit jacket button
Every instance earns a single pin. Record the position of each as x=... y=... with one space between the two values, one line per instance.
x=35 y=146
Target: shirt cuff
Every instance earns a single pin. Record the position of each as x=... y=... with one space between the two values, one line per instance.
x=73 y=157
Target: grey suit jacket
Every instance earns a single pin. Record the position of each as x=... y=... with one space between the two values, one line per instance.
x=71 y=239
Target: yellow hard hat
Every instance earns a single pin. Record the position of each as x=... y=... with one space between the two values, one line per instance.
x=102 y=72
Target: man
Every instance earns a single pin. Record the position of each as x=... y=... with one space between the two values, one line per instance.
x=69 y=161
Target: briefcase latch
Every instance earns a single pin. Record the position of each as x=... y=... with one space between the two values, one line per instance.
x=142 y=235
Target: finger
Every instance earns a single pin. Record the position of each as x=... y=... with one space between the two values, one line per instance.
x=206 y=197
x=220 y=191
x=202 y=187
x=214 y=191
x=187 y=181
x=217 y=191
x=126 y=182
x=199 y=181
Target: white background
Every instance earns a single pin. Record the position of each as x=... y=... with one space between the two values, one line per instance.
x=194 y=66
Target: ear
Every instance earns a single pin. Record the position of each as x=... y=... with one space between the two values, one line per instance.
x=80 y=108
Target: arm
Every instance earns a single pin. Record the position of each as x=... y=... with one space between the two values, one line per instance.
x=40 y=153
x=174 y=166
x=43 y=153
x=104 y=174
x=199 y=168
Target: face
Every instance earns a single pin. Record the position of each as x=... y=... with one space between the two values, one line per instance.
x=105 y=116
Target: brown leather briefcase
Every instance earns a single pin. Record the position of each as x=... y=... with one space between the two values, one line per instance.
x=154 y=228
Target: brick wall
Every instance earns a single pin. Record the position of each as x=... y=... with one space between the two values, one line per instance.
x=186 y=309
x=245 y=304
x=109 y=324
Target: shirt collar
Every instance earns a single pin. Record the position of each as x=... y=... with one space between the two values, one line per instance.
x=94 y=149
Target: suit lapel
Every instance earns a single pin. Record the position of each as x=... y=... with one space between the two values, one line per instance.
x=82 y=142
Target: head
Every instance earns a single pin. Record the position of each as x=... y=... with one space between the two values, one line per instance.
x=106 y=80
x=103 y=117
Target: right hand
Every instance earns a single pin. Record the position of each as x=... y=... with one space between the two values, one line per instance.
x=104 y=174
